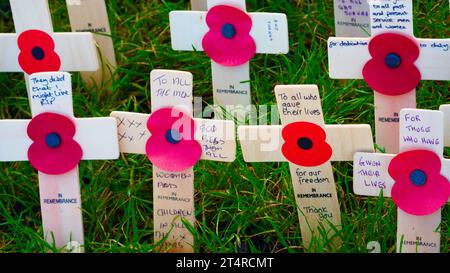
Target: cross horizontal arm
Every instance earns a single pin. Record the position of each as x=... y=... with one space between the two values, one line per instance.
x=263 y=143
x=217 y=137
x=270 y=31
x=347 y=57
x=370 y=174
x=97 y=137
x=76 y=50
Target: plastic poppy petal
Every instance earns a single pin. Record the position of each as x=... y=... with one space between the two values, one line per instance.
x=172 y=157
x=232 y=51
x=219 y=15
x=419 y=200
x=57 y=160
x=229 y=52
x=46 y=123
x=171 y=118
x=36 y=39
x=319 y=152
x=392 y=81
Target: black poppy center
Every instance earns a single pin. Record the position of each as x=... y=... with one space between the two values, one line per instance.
x=228 y=31
x=305 y=143
x=393 y=60
x=418 y=178
x=38 y=53
x=53 y=140
x=173 y=136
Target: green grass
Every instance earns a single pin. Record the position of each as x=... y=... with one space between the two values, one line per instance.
x=240 y=207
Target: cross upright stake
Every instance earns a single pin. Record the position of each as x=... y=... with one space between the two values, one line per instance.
x=35 y=48
x=309 y=146
x=173 y=142
x=92 y=16
x=230 y=37
x=54 y=142
x=417 y=179
x=392 y=62
x=446 y=110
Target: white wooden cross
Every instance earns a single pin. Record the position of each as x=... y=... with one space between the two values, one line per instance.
x=231 y=84
x=314 y=186
x=92 y=16
x=351 y=18
x=348 y=56
x=59 y=194
x=173 y=192
x=446 y=110
x=76 y=51
x=419 y=130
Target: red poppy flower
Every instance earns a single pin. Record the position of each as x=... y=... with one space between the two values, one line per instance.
x=419 y=187
x=53 y=150
x=305 y=144
x=228 y=41
x=392 y=71
x=37 y=52
x=171 y=146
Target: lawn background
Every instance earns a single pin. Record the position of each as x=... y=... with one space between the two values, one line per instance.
x=239 y=207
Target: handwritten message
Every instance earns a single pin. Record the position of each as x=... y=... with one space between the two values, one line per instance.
x=51 y=92
x=422 y=129
x=173 y=196
x=391 y=16
x=370 y=174
x=171 y=88
x=352 y=18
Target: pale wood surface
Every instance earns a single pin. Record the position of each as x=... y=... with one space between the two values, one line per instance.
x=92 y=16
x=317 y=202
x=446 y=110
x=387 y=114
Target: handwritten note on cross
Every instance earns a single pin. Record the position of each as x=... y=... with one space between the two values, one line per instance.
x=231 y=83
x=75 y=51
x=351 y=18
x=349 y=58
x=304 y=136
x=173 y=192
x=92 y=16
x=59 y=193
x=420 y=130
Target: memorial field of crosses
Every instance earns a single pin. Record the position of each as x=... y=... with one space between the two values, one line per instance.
x=240 y=207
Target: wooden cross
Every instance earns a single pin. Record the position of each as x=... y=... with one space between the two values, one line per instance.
x=173 y=192
x=351 y=18
x=231 y=83
x=446 y=110
x=59 y=188
x=92 y=16
x=75 y=51
x=301 y=133
x=420 y=130
x=348 y=57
